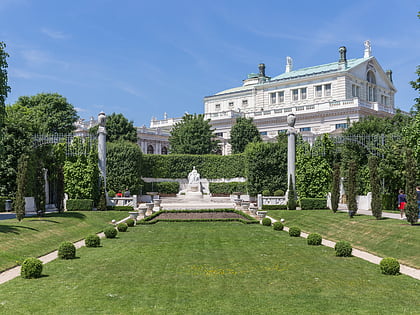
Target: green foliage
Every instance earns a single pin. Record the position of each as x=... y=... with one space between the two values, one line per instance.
x=266 y=192
x=294 y=231
x=314 y=167
x=118 y=128
x=313 y=203
x=291 y=197
x=162 y=187
x=3 y=203
x=193 y=135
x=102 y=198
x=227 y=188
x=411 y=210
x=92 y=240
x=4 y=88
x=376 y=203
x=389 y=266
x=314 y=239
x=266 y=222
x=278 y=192
x=19 y=205
x=120 y=208
x=278 y=226
x=79 y=204
x=335 y=190
x=110 y=232
x=31 y=268
x=274 y=207
x=243 y=132
x=122 y=227
x=388 y=202
x=352 y=189
x=66 y=250
x=130 y=222
x=179 y=165
x=266 y=167
x=343 y=249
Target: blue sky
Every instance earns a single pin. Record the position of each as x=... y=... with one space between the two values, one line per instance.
x=144 y=58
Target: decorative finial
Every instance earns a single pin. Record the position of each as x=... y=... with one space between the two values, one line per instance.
x=368 y=49
x=289 y=64
x=261 y=67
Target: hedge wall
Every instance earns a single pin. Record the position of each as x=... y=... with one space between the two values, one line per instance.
x=313 y=203
x=228 y=188
x=79 y=204
x=179 y=165
x=162 y=187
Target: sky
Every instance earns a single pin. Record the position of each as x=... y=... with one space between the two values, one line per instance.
x=145 y=58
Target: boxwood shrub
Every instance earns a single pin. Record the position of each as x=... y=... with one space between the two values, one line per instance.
x=92 y=240
x=294 y=231
x=120 y=208
x=110 y=232
x=278 y=226
x=266 y=222
x=390 y=266
x=343 y=249
x=314 y=239
x=122 y=227
x=279 y=192
x=162 y=187
x=79 y=204
x=274 y=207
x=66 y=250
x=130 y=222
x=31 y=268
x=227 y=188
x=313 y=203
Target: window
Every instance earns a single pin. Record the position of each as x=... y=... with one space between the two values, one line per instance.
x=219 y=134
x=282 y=131
x=355 y=90
x=230 y=104
x=281 y=96
x=164 y=150
x=295 y=95
x=273 y=98
x=217 y=106
x=318 y=91
x=305 y=129
x=150 y=149
x=371 y=86
x=263 y=133
x=384 y=100
x=244 y=102
x=327 y=89
x=343 y=125
x=303 y=93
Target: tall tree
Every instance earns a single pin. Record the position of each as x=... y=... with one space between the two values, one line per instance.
x=352 y=188
x=193 y=135
x=243 y=132
x=412 y=208
x=335 y=190
x=118 y=128
x=49 y=112
x=375 y=186
x=4 y=88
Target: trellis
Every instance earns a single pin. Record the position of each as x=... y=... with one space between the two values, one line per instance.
x=68 y=140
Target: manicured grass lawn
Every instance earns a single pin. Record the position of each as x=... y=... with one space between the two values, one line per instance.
x=210 y=268
x=385 y=238
x=37 y=236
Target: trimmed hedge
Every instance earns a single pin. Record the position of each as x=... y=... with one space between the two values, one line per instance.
x=66 y=250
x=266 y=222
x=120 y=208
x=390 y=266
x=179 y=165
x=162 y=187
x=343 y=249
x=278 y=226
x=31 y=268
x=79 y=204
x=313 y=203
x=294 y=231
x=314 y=239
x=122 y=227
x=274 y=207
x=227 y=188
x=92 y=240
x=130 y=222
x=110 y=232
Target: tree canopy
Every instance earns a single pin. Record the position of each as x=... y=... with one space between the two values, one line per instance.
x=243 y=132
x=4 y=88
x=118 y=128
x=193 y=135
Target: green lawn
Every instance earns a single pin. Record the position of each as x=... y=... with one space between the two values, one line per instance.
x=386 y=237
x=37 y=236
x=210 y=268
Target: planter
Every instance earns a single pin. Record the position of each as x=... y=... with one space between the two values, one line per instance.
x=133 y=215
x=261 y=214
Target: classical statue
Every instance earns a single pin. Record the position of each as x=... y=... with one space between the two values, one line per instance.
x=291 y=119
x=193 y=177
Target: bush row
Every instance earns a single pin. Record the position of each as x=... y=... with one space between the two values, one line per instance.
x=162 y=187
x=120 y=208
x=79 y=204
x=274 y=207
x=228 y=188
x=313 y=203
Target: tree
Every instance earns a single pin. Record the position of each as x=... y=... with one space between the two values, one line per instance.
x=412 y=208
x=243 y=132
x=49 y=113
x=193 y=135
x=118 y=128
x=376 y=203
x=19 y=204
x=291 y=196
x=4 y=88
x=335 y=190
x=352 y=188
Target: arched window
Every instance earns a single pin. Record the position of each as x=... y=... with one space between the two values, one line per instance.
x=150 y=149
x=164 y=150
x=371 y=86
x=371 y=77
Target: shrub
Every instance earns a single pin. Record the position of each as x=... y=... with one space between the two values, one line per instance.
x=390 y=266
x=227 y=188
x=111 y=193
x=388 y=202
x=274 y=207
x=266 y=192
x=31 y=268
x=343 y=249
x=266 y=222
x=122 y=227
x=79 y=204
x=66 y=250
x=120 y=208
x=279 y=192
x=294 y=231
x=110 y=232
x=314 y=239
x=278 y=226
x=130 y=222
x=313 y=203
x=92 y=240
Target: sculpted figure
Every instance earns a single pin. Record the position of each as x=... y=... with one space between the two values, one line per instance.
x=193 y=177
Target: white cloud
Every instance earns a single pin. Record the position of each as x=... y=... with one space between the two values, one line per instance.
x=54 y=34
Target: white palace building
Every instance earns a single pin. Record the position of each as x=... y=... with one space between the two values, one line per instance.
x=324 y=98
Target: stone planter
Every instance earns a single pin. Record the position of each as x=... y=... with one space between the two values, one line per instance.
x=245 y=205
x=238 y=203
x=156 y=204
x=133 y=215
x=261 y=214
x=149 y=206
x=142 y=212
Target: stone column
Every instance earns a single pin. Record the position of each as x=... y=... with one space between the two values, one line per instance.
x=291 y=149
x=46 y=187
x=102 y=147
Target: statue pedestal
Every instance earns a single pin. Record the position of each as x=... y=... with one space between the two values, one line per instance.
x=193 y=191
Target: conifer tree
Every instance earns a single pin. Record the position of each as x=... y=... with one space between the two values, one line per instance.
x=411 y=210
x=19 y=204
x=376 y=203
x=291 y=196
x=352 y=189
x=335 y=191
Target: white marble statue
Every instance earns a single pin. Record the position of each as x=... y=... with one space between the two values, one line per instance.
x=193 y=177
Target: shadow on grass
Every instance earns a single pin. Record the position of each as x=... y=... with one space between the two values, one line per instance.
x=67 y=214
x=14 y=228
x=43 y=220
